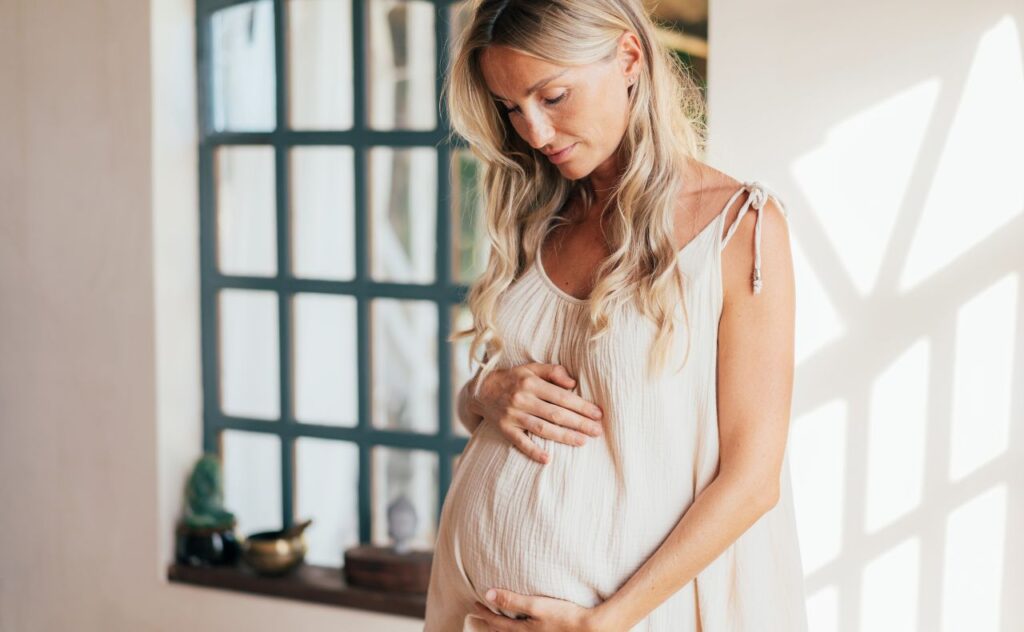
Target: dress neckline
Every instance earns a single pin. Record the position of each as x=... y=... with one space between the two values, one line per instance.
x=562 y=294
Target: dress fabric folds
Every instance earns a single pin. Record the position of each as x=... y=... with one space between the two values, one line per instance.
x=579 y=526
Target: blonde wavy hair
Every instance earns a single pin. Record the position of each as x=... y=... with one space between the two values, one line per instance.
x=523 y=192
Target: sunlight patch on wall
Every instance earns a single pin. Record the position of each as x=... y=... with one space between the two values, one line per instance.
x=818 y=442
x=823 y=610
x=889 y=587
x=896 y=438
x=982 y=384
x=973 y=563
x=976 y=188
x=817 y=320
x=855 y=181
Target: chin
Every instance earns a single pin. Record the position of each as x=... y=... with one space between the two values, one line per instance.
x=572 y=170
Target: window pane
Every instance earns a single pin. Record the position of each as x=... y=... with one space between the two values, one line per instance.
x=404 y=365
x=403 y=208
x=327 y=490
x=326 y=377
x=408 y=477
x=323 y=212
x=248 y=334
x=252 y=480
x=320 y=64
x=242 y=56
x=462 y=318
x=402 y=64
x=470 y=246
x=246 y=228
x=458 y=19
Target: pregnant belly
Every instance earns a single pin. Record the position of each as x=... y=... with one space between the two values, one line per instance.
x=560 y=529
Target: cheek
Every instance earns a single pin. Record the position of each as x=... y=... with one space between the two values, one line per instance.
x=600 y=128
x=614 y=120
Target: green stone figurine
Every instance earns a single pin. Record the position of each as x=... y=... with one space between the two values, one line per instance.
x=204 y=496
x=205 y=533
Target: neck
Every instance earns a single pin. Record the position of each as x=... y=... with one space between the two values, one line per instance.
x=605 y=177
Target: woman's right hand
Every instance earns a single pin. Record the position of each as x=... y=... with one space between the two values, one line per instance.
x=535 y=398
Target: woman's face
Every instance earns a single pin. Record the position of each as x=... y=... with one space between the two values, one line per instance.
x=582 y=107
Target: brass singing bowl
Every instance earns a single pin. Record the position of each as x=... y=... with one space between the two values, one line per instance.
x=273 y=553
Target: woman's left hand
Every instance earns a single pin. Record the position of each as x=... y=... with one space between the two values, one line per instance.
x=545 y=614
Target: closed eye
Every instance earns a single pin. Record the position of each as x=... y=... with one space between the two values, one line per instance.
x=548 y=101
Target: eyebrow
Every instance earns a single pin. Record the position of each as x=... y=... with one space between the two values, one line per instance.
x=537 y=86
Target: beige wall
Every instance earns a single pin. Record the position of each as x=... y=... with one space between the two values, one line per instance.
x=99 y=355
x=900 y=267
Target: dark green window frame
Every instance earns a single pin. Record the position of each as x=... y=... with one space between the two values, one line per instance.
x=445 y=293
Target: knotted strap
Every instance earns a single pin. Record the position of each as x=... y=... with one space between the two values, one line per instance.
x=759 y=194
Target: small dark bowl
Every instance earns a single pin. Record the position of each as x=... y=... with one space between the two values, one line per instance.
x=206 y=546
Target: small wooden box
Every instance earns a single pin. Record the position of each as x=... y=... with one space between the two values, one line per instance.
x=381 y=568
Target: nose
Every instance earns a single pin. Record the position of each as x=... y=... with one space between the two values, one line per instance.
x=539 y=131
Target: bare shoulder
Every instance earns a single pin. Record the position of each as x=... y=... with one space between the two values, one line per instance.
x=715 y=189
x=704 y=196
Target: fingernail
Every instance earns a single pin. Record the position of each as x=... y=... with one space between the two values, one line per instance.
x=491 y=595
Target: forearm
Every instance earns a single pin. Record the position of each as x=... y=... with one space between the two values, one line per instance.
x=467 y=414
x=722 y=512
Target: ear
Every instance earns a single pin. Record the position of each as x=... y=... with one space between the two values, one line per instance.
x=630 y=53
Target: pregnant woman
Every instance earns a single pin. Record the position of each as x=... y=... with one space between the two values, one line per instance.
x=627 y=466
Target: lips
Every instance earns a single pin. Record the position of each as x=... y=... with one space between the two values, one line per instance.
x=561 y=155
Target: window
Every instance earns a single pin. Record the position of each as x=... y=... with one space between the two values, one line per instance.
x=339 y=233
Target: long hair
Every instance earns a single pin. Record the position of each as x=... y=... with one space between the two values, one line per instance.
x=523 y=192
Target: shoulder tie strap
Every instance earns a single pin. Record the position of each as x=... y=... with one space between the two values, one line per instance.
x=759 y=194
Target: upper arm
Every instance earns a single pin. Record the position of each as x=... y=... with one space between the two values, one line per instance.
x=755 y=352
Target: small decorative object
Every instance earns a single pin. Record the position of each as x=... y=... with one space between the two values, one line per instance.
x=277 y=552
x=205 y=535
x=396 y=568
x=402 y=521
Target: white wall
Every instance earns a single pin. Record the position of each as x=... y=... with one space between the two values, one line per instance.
x=894 y=131
x=890 y=132
x=99 y=356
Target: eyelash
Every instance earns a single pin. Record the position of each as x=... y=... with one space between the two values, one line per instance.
x=548 y=101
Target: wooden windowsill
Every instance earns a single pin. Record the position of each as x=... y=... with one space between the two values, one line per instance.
x=317 y=584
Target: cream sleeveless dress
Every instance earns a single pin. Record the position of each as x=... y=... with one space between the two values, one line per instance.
x=579 y=526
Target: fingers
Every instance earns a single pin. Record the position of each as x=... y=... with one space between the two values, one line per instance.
x=556 y=376
x=522 y=441
x=515 y=609
x=564 y=409
x=554 y=423
x=515 y=602
x=556 y=373
x=536 y=400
